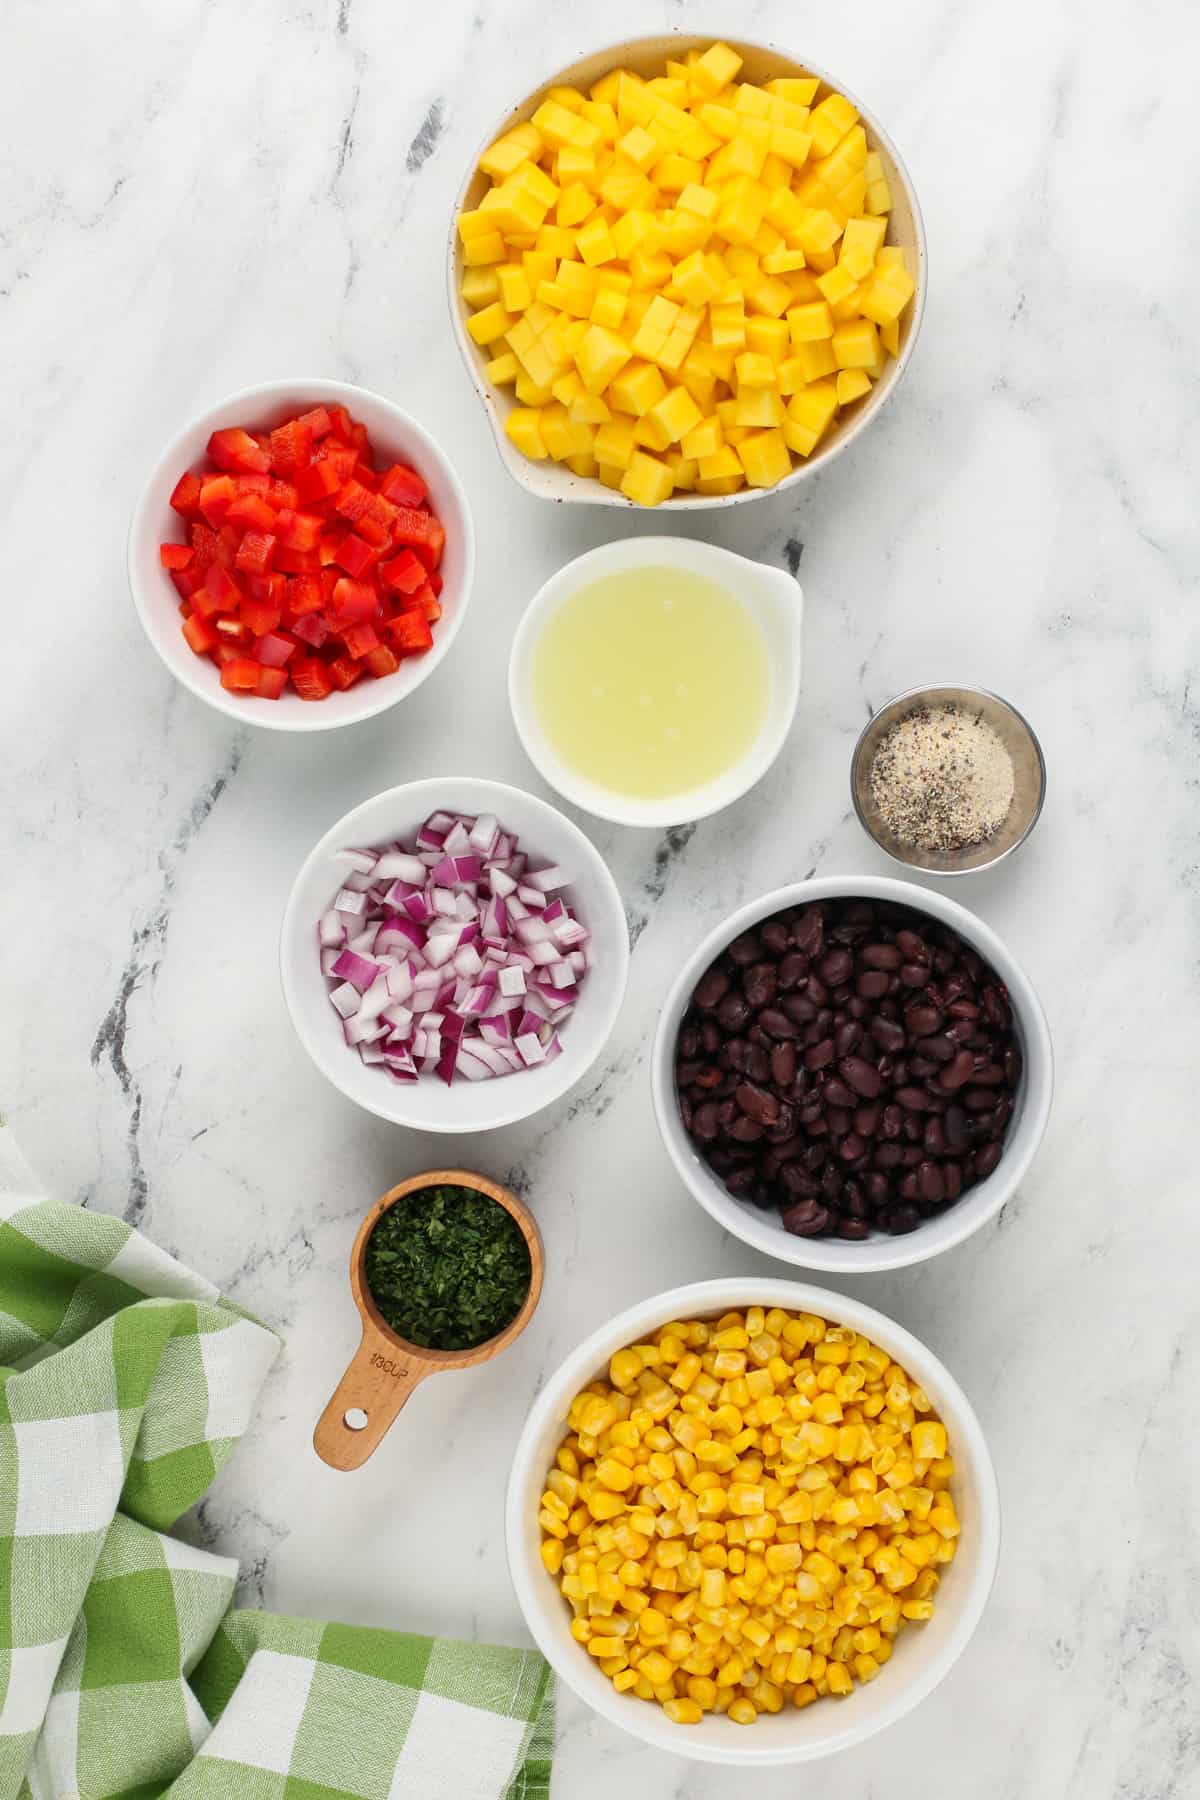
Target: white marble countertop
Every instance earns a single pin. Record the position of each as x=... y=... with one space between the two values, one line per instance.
x=205 y=194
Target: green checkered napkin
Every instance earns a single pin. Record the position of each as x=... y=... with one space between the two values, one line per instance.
x=125 y=1383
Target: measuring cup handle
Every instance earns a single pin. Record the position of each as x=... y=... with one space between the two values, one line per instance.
x=376 y=1385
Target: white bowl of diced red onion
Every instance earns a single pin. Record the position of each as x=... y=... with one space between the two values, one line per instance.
x=454 y=954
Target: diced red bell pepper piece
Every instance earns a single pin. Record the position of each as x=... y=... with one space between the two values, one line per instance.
x=270 y=587
x=228 y=538
x=342 y=459
x=364 y=474
x=360 y=639
x=404 y=574
x=303 y=595
x=260 y=616
x=309 y=677
x=236 y=449
x=187 y=580
x=291 y=447
x=200 y=635
x=341 y=424
x=217 y=495
x=410 y=633
x=376 y=524
x=296 y=562
x=205 y=545
x=327 y=549
x=298 y=530
x=344 y=671
x=318 y=421
x=403 y=486
x=353 y=603
x=382 y=661
x=175 y=556
x=353 y=554
x=273 y=651
x=240 y=675
x=435 y=581
x=430 y=604
x=423 y=531
x=220 y=593
x=271 y=683
x=231 y=630
x=359 y=437
x=252 y=513
x=311 y=629
x=185 y=497
x=282 y=495
x=354 y=501
x=318 y=481
x=255 y=553
x=253 y=484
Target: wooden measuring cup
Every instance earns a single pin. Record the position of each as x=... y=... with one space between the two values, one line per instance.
x=386 y=1368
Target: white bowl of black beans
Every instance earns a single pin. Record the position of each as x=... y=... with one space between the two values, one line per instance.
x=852 y=1073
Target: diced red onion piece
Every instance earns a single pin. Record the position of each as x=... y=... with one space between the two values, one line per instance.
x=399 y=865
x=348 y=901
x=332 y=928
x=361 y=861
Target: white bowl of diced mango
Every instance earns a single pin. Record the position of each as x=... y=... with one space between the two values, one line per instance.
x=684 y=272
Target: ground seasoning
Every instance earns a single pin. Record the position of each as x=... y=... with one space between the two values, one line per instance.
x=942 y=779
x=448 y=1268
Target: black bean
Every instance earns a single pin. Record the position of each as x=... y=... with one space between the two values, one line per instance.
x=777 y=1024
x=807 y=1219
x=872 y=984
x=775 y=937
x=881 y=956
x=745 y=949
x=862 y=1076
x=711 y=987
x=887 y=1034
x=986 y=1159
x=783 y=1065
x=847 y=1037
x=836 y=966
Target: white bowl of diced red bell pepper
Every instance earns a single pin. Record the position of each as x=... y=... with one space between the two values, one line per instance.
x=302 y=555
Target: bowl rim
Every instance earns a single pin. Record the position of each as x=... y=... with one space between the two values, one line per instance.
x=329 y=716
x=715 y=795
x=340 y=833
x=908 y=700
x=717 y=1295
x=579 y=490
x=876 y=1254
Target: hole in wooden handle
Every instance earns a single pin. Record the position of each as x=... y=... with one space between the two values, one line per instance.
x=355 y=1419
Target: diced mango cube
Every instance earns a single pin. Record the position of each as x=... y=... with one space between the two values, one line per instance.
x=852 y=384
x=647 y=480
x=816 y=359
x=765 y=459
x=860 y=244
x=515 y=290
x=721 y=473
x=856 y=345
x=524 y=428
x=480 y=286
x=829 y=122
x=502 y=369
x=511 y=150
x=810 y=322
x=756 y=408
x=715 y=69
x=492 y=323
x=887 y=293
x=741 y=211
x=637 y=388
x=754 y=370
x=641 y=149
x=808 y=415
x=836 y=283
x=614 y=444
x=676 y=413
x=599 y=357
x=488 y=248
x=704 y=439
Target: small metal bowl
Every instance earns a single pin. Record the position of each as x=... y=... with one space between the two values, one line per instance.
x=1029 y=780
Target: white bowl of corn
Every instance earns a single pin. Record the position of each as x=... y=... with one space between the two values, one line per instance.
x=684 y=273
x=752 y=1521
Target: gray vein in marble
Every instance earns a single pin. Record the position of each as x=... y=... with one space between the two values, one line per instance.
x=426 y=140
x=147 y=947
